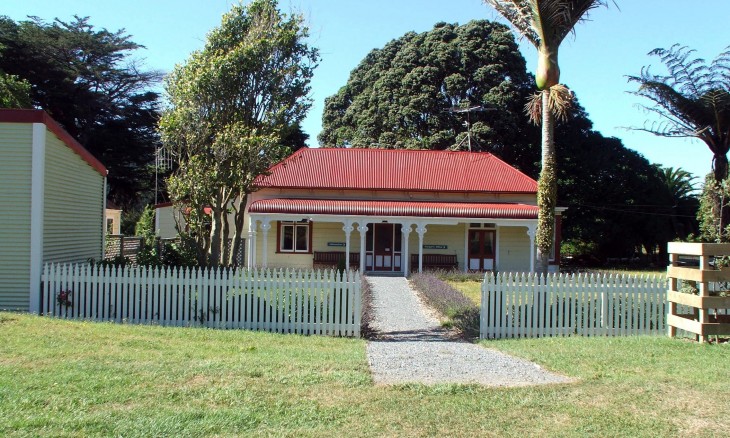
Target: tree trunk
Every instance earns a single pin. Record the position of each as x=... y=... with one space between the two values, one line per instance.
x=720 y=167
x=720 y=171
x=225 y=246
x=215 y=232
x=239 y=211
x=547 y=188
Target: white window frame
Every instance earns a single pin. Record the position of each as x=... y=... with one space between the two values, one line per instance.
x=296 y=227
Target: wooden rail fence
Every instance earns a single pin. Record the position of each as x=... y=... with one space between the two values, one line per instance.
x=282 y=301
x=531 y=305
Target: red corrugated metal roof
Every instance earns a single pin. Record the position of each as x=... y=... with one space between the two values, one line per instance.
x=388 y=169
x=394 y=208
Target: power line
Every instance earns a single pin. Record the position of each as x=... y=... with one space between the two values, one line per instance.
x=647 y=213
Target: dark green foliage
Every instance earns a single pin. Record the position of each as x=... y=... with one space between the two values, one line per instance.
x=399 y=95
x=86 y=79
x=617 y=201
x=461 y=312
x=149 y=254
x=149 y=250
x=180 y=252
x=117 y=262
x=145 y=227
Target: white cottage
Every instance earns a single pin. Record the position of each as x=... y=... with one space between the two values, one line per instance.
x=53 y=195
x=395 y=211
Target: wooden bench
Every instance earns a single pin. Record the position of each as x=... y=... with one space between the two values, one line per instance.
x=435 y=261
x=331 y=258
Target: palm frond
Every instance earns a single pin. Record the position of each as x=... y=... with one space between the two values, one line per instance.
x=557 y=18
x=561 y=103
x=519 y=13
x=681 y=184
x=692 y=99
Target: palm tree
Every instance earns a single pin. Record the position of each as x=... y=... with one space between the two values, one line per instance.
x=693 y=100
x=680 y=185
x=545 y=23
x=679 y=182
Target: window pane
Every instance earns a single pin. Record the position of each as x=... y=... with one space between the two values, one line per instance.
x=302 y=237
x=369 y=238
x=398 y=238
x=287 y=237
x=474 y=243
x=489 y=244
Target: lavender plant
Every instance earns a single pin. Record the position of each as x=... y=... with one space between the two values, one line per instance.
x=459 y=310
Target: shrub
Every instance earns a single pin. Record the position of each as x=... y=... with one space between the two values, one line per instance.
x=117 y=262
x=458 y=276
x=181 y=252
x=367 y=330
x=459 y=310
x=145 y=227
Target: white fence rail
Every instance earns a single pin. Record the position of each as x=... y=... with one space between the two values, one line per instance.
x=531 y=305
x=282 y=301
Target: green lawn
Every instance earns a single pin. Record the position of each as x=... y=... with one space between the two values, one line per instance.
x=471 y=288
x=86 y=379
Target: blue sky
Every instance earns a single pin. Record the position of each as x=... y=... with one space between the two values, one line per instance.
x=594 y=63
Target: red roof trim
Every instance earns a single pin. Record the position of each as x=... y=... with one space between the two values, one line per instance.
x=40 y=116
x=395 y=208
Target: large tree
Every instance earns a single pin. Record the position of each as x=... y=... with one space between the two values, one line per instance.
x=545 y=23
x=88 y=80
x=403 y=95
x=233 y=105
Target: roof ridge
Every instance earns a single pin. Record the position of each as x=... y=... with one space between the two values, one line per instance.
x=445 y=151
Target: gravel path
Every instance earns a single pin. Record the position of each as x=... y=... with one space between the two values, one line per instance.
x=412 y=347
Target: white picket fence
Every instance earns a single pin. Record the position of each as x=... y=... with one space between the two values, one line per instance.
x=530 y=305
x=282 y=301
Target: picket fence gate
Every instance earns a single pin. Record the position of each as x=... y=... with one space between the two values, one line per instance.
x=321 y=302
x=527 y=305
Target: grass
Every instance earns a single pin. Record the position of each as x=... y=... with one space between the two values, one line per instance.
x=61 y=378
x=472 y=289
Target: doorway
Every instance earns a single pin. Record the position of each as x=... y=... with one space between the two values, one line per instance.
x=383 y=248
x=481 y=250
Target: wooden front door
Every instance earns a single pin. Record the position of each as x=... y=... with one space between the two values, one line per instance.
x=386 y=247
x=481 y=250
